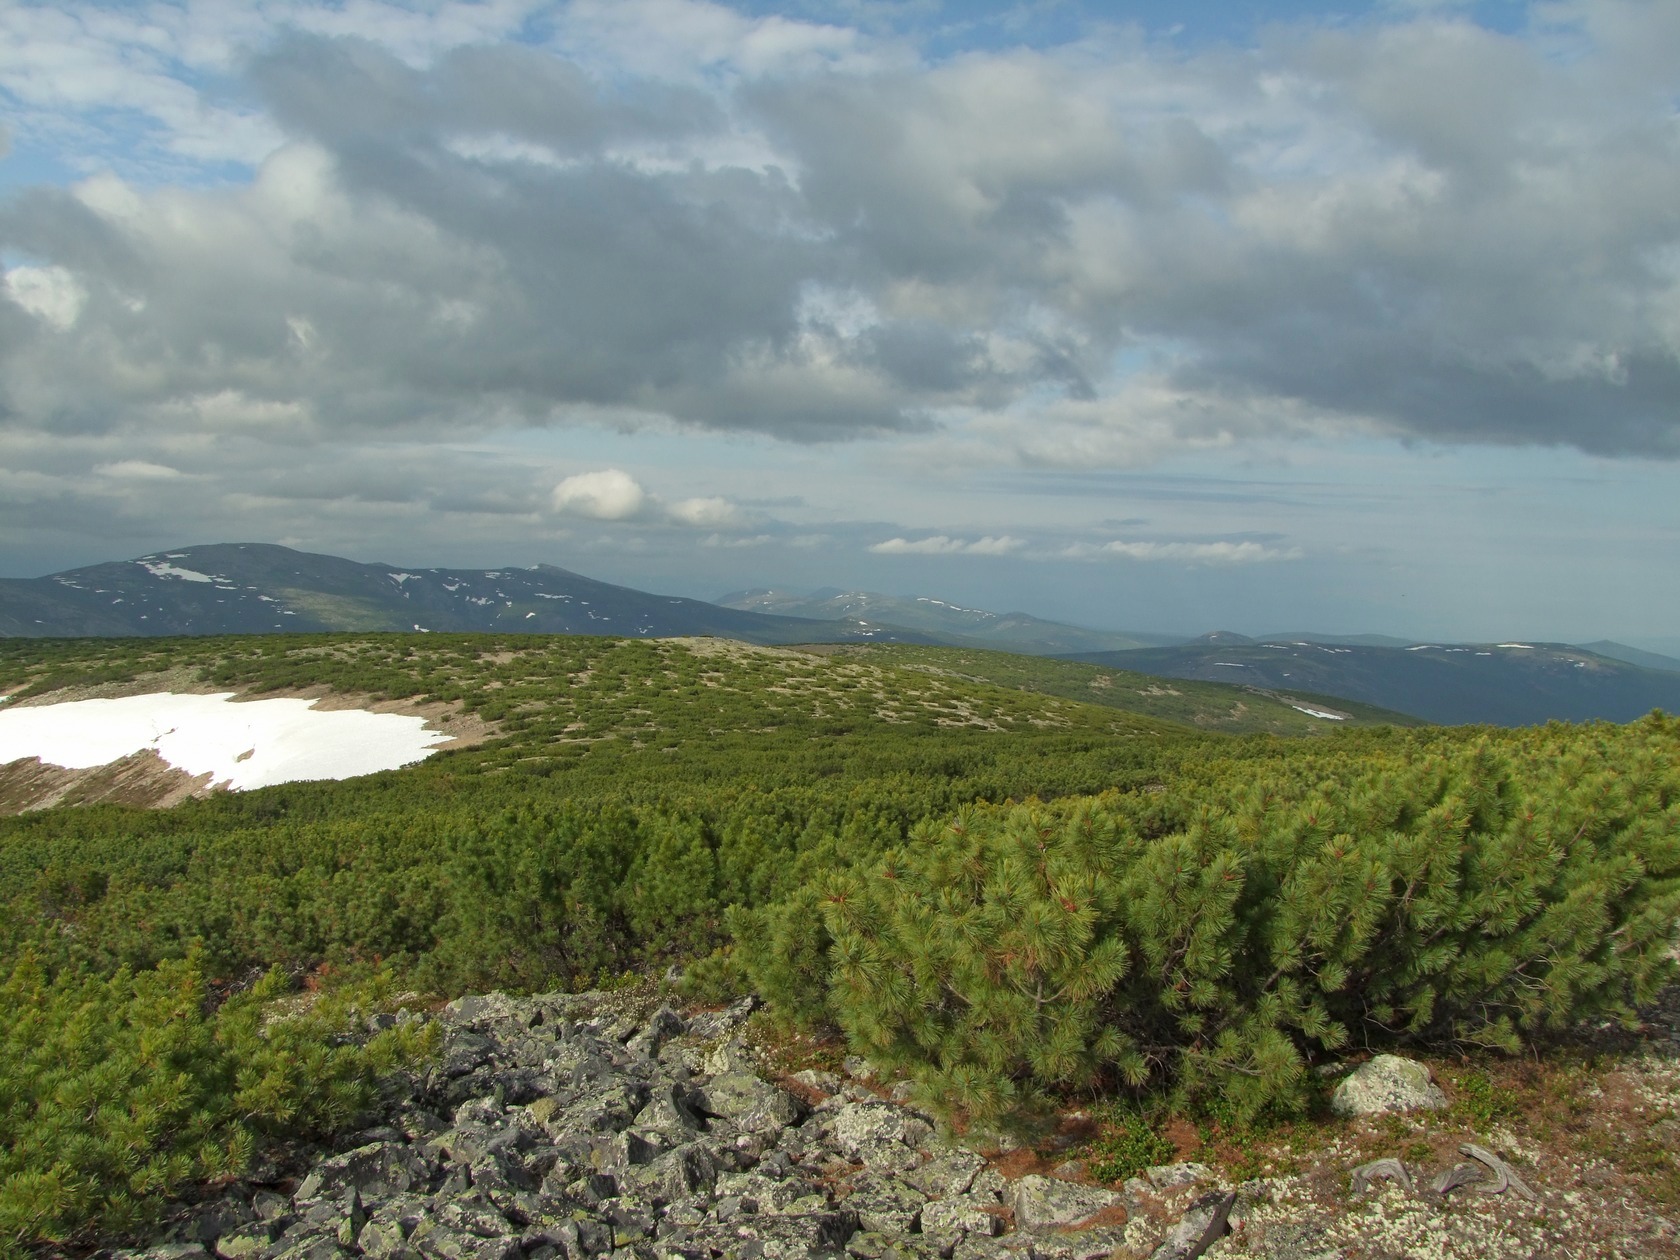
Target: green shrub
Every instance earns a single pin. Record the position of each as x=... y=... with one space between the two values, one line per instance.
x=1476 y=900
x=116 y=1092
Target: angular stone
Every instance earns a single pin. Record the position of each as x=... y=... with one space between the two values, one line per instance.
x=382 y=1238
x=1205 y=1222
x=668 y=1109
x=744 y=1098
x=377 y=1171
x=246 y=1241
x=677 y=1174
x=1387 y=1083
x=1084 y=1244
x=1166 y=1176
x=946 y=1175
x=946 y=1222
x=867 y=1245
x=447 y=1242
x=859 y=1125
x=885 y=1205
x=779 y=1237
x=758 y=1193
x=1044 y=1201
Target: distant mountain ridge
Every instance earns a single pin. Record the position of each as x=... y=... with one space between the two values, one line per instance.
x=259 y=588
x=1501 y=684
x=950 y=623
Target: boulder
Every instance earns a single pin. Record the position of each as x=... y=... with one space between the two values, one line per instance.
x=1041 y=1202
x=1387 y=1083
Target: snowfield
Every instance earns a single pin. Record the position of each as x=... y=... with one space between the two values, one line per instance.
x=256 y=743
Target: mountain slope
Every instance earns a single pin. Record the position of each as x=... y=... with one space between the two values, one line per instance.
x=257 y=588
x=1499 y=684
x=1632 y=655
x=947 y=622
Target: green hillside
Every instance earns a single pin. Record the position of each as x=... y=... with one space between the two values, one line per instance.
x=1199 y=911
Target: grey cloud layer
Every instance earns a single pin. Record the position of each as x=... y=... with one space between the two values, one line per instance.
x=1422 y=228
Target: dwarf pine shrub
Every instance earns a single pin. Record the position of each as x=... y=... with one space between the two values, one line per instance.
x=1456 y=898
x=116 y=1092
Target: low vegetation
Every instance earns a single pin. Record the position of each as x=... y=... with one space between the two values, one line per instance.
x=1007 y=892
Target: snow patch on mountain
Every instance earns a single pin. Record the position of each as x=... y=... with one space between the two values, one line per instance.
x=252 y=744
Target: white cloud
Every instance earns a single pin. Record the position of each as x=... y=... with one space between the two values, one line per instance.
x=138 y=470
x=50 y=294
x=1212 y=553
x=712 y=512
x=943 y=545
x=608 y=495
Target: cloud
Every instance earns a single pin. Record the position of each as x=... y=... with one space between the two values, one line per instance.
x=51 y=294
x=712 y=512
x=943 y=545
x=608 y=495
x=676 y=212
x=138 y=470
x=1197 y=553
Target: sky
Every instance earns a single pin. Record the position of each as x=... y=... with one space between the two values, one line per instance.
x=1166 y=316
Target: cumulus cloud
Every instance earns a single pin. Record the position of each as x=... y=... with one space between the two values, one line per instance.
x=344 y=232
x=1199 y=553
x=944 y=545
x=608 y=495
x=1407 y=224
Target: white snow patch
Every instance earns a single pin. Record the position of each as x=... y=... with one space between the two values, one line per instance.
x=1232 y=664
x=1319 y=713
x=400 y=578
x=1527 y=647
x=163 y=569
x=241 y=746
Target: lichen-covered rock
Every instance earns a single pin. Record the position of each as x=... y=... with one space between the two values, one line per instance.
x=1387 y=1083
x=947 y=1174
x=1040 y=1202
x=376 y=1171
x=947 y=1222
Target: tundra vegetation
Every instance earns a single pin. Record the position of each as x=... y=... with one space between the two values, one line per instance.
x=1002 y=890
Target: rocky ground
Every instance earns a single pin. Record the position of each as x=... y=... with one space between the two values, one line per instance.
x=601 y=1125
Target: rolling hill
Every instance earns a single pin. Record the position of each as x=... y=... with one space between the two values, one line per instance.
x=947 y=622
x=1501 y=684
x=258 y=588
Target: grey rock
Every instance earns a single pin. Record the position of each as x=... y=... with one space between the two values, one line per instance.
x=1166 y=1176
x=268 y=1206
x=1039 y=1202
x=751 y=1102
x=1387 y=1083
x=822 y=1082
x=868 y=1245
x=946 y=1175
x=1205 y=1223
x=1085 y=1244
x=780 y=1237
x=245 y=1241
x=715 y=1025
x=947 y=1222
x=678 y=1174
x=448 y=1242
x=668 y=1110
x=377 y=1171
x=885 y=1204
x=313 y=1247
x=858 y=1126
